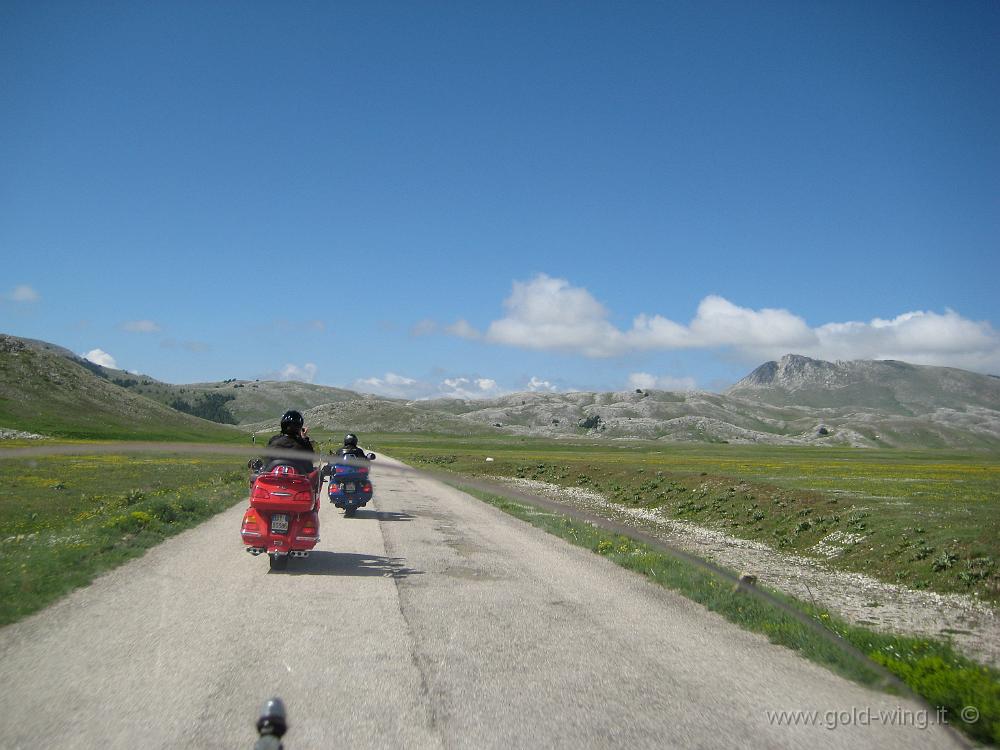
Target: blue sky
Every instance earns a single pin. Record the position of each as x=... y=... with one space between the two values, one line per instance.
x=423 y=199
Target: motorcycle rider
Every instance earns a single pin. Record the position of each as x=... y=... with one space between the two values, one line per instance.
x=293 y=437
x=351 y=447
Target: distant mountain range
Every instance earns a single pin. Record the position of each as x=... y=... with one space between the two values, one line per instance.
x=48 y=390
x=884 y=385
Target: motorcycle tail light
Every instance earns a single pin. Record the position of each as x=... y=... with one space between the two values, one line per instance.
x=367 y=487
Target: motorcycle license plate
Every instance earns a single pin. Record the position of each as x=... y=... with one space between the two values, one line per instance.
x=349 y=487
x=279 y=522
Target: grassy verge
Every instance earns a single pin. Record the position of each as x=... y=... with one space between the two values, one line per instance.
x=930 y=668
x=927 y=520
x=64 y=520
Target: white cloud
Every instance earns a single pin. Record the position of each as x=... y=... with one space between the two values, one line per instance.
x=391 y=385
x=644 y=381
x=467 y=388
x=921 y=337
x=304 y=374
x=537 y=384
x=462 y=329
x=721 y=323
x=140 y=326
x=101 y=357
x=393 y=379
x=550 y=314
x=398 y=386
x=656 y=332
x=22 y=293
x=474 y=388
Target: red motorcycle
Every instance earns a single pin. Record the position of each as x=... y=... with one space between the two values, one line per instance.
x=283 y=517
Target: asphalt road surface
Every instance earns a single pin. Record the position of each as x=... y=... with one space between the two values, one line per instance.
x=430 y=620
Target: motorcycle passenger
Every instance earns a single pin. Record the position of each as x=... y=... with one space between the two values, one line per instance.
x=351 y=447
x=293 y=437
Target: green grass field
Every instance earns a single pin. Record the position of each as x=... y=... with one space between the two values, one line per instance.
x=66 y=519
x=928 y=520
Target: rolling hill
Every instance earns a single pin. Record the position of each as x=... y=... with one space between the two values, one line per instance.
x=794 y=401
x=47 y=390
x=230 y=401
x=368 y=415
x=236 y=401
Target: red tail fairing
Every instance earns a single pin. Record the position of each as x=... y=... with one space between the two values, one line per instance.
x=283 y=516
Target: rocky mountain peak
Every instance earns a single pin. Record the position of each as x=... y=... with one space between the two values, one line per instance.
x=791 y=372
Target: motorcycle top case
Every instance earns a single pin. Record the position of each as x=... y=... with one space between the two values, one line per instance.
x=281 y=489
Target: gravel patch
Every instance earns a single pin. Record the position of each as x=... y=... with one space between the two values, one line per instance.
x=972 y=626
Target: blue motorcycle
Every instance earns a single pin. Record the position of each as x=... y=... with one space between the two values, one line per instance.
x=350 y=487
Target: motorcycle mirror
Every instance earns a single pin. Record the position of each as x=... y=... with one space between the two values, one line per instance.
x=371 y=456
x=273 y=718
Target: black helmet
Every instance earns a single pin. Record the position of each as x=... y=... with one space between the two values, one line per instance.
x=291 y=419
x=351 y=439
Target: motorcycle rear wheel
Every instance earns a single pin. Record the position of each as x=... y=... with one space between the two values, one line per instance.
x=350 y=510
x=278 y=562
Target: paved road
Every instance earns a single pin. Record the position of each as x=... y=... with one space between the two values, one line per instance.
x=431 y=621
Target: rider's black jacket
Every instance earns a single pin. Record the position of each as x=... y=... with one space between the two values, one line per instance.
x=294 y=443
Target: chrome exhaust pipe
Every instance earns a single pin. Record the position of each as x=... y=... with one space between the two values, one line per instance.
x=299 y=553
x=255 y=550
